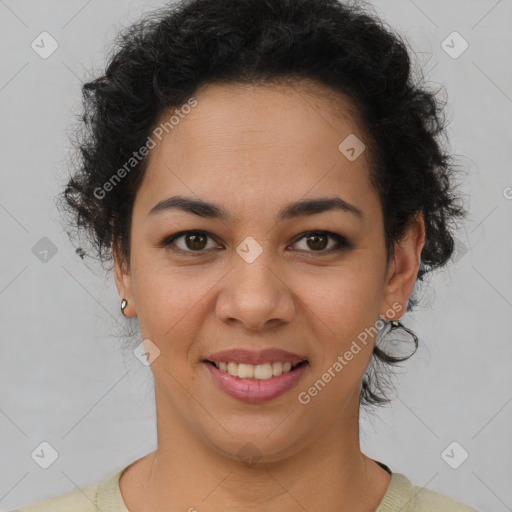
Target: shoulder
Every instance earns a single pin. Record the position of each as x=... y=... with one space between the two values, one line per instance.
x=426 y=500
x=104 y=496
x=79 y=500
x=405 y=497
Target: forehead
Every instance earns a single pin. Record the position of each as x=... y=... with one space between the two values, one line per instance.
x=260 y=142
x=278 y=113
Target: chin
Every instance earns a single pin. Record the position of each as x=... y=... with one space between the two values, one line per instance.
x=257 y=449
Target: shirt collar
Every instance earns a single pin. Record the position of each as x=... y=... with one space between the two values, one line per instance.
x=398 y=498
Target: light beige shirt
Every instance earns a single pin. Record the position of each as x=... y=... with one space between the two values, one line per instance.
x=401 y=496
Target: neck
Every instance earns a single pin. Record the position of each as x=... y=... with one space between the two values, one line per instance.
x=186 y=473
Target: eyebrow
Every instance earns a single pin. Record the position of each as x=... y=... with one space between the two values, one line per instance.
x=305 y=207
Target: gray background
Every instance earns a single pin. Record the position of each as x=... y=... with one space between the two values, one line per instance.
x=64 y=377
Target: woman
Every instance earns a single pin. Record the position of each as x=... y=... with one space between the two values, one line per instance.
x=268 y=181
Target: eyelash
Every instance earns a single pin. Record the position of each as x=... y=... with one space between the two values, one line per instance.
x=341 y=242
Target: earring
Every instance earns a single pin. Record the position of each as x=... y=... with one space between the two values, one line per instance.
x=396 y=324
x=124 y=303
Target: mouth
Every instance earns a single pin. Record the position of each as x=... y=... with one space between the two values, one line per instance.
x=255 y=376
x=264 y=371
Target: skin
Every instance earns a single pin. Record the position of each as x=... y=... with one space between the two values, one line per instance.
x=252 y=150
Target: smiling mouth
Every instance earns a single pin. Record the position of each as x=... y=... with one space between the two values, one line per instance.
x=264 y=371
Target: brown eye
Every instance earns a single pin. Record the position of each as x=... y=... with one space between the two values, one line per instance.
x=190 y=242
x=195 y=241
x=318 y=241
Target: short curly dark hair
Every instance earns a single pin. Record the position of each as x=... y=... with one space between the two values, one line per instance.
x=160 y=61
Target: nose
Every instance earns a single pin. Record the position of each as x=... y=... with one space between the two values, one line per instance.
x=255 y=295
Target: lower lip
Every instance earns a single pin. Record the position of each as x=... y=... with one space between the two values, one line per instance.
x=255 y=390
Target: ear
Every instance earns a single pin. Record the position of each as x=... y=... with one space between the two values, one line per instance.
x=403 y=269
x=123 y=281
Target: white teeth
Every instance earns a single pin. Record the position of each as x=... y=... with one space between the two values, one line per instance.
x=246 y=371
x=277 y=369
x=263 y=371
x=233 y=369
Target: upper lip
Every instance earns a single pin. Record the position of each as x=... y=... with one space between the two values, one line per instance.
x=269 y=355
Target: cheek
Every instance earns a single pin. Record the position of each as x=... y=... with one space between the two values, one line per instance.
x=162 y=302
x=349 y=297
x=172 y=304
x=344 y=310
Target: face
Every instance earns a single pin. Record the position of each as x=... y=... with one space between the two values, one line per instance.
x=268 y=280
